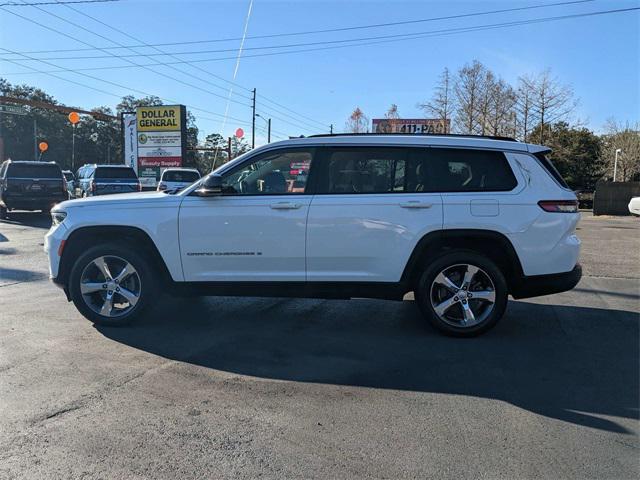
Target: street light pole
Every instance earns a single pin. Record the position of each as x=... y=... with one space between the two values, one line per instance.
x=73 y=148
x=615 y=163
x=268 y=120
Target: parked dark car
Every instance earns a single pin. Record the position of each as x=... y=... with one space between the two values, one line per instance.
x=31 y=186
x=107 y=179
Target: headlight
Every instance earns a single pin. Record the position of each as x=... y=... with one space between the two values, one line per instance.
x=58 y=217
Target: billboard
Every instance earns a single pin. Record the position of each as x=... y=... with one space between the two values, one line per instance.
x=410 y=125
x=161 y=140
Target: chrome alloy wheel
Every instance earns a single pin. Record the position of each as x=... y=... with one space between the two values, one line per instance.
x=107 y=294
x=462 y=295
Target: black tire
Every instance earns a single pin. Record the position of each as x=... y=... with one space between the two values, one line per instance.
x=148 y=283
x=3 y=213
x=423 y=293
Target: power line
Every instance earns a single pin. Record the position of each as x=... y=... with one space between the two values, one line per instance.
x=412 y=36
x=61 y=2
x=337 y=42
x=306 y=128
x=333 y=30
x=146 y=67
x=122 y=32
x=178 y=58
x=142 y=92
x=116 y=56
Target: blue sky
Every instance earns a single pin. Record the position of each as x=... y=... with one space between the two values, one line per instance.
x=598 y=56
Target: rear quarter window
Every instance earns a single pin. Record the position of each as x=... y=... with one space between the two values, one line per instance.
x=117 y=172
x=463 y=170
x=543 y=158
x=24 y=170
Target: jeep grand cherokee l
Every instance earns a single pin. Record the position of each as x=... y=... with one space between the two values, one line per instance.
x=26 y=185
x=463 y=222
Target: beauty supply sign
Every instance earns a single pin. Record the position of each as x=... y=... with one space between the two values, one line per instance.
x=161 y=140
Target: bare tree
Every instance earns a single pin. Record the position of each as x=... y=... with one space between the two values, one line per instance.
x=487 y=85
x=357 y=122
x=552 y=101
x=626 y=138
x=392 y=113
x=524 y=106
x=441 y=104
x=501 y=114
x=386 y=126
x=468 y=96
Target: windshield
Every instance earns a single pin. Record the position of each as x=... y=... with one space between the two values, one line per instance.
x=117 y=172
x=25 y=170
x=182 y=176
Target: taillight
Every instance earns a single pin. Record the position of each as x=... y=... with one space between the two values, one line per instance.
x=92 y=185
x=559 y=206
x=64 y=186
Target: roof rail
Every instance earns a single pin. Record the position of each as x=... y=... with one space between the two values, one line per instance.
x=490 y=137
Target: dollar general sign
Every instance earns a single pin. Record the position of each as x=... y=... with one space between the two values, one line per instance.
x=159 y=118
x=160 y=140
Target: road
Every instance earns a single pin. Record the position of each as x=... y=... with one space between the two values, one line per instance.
x=248 y=387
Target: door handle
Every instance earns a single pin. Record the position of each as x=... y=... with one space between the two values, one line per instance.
x=415 y=204
x=285 y=206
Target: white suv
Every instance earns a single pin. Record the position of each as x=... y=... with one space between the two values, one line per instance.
x=461 y=221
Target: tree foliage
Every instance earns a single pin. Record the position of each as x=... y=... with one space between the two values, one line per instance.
x=576 y=153
x=96 y=141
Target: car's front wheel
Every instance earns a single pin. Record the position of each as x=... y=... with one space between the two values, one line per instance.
x=112 y=285
x=462 y=294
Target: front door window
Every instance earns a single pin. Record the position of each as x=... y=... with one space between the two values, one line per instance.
x=272 y=173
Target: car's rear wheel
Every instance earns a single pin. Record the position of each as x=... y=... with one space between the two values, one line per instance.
x=112 y=285
x=3 y=212
x=462 y=293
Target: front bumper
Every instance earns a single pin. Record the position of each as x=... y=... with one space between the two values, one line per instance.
x=52 y=241
x=538 y=285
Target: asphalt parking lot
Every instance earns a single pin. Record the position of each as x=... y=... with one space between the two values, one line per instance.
x=281 y=388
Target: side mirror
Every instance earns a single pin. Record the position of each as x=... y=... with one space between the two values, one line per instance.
x=210 y=187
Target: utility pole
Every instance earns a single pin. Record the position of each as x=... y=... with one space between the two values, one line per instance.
x=331 y=129
x=35 y=139
x=253 y=120
x=229 y=150
x=269 y=131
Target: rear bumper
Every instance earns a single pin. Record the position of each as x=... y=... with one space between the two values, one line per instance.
x=538 y=285
x=20 y=202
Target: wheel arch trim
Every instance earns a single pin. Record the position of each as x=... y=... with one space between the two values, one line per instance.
x=77 y=238
x=435 y=243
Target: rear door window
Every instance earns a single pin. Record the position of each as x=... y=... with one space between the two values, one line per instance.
x=25 y=170
x=115 y=172
x=361 y=170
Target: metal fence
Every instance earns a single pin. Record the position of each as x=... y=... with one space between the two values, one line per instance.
x=612 y=198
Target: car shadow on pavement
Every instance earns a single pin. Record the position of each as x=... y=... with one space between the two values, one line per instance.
x=575 y=364
x=28 y=219
x=18 y=275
